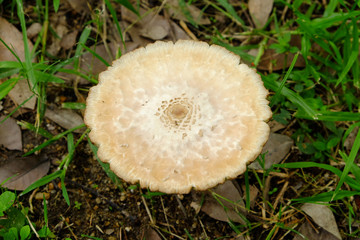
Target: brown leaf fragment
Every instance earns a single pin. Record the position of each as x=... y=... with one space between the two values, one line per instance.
x=177 y=13
x=151 y=25
x=69 y=40
x=34 y=30
x=151 y=234
x=21 y=92
x=260 y=11
x=214 y=209
x=23 y=170
x=10 y=134
x=178 y=32
x=91 y=65
x=308 y=232
x=14 y=39
x=272 y=61
x=79 y=6
x=276 y=148
x=65 y=118
x=322 y=216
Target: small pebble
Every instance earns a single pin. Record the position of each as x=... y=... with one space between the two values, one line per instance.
x=39 y=196
x=109 y=231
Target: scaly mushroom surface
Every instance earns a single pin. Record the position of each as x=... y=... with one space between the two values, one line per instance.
x=177 y=116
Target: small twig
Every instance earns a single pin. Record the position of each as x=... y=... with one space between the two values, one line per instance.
x=166 y=218
x=68 y=226
x=181 y=205
x=187 y=30
x=147 y=209
x=280 y=195
x=31 y=208
x=32 y=227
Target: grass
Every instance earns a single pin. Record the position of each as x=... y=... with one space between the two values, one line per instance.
x=319 y=102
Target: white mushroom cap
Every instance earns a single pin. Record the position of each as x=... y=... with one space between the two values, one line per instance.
x=178 y=116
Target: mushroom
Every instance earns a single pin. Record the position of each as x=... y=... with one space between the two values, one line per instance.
x=177 y=116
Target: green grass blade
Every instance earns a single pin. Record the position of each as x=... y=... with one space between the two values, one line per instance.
x=82 y=40
x=56 y=4
x=128 y=5
x=42 y=181
x=6 y=86
x=326 y=197
x=282 y=84
x=55 y=138
x=31 y=127
x=28 y=65
x=352 y=183
x=292 y=96
x=230 y=9
x=117 y=24
x=96 y=55
x=349 y=161
x=73 y=105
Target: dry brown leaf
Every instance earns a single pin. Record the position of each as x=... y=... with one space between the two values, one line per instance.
x=10 y=134
x=59 y=25
x=260 y=11
x=176 y=13
x=33 y=30
x=151 y=234
x=178 y=32
x=272 y=61
x=308 y=231
x=79 y=6
x=21 y=92
x=12 y=37
x=69 y=40
x=91 y=65
x=215 y=210
x=150 y=25
x=276 y=148
x=65 y=118
x=322 y=216
x=23 y=170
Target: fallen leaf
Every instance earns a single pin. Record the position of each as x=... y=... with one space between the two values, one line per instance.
x=322 y=216
x=272 y=61
x=225 y=210
x=33 y=30
x=178 y=32
x=276 y=148
x=91 y=65
x=177 y=13
x=21 y=92
x=23 y=170
x=308 y=232
x=59 y=25
x=69 y=40
x=66 y=118
x=79 y=6
x=150 y=24
x=150 y=234
x=10 y=134
x=260 y=11
x=14 y=39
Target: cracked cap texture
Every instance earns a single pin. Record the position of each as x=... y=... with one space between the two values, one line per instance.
x=177 y=116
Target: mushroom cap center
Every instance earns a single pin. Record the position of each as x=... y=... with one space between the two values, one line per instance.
x=178 y=111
